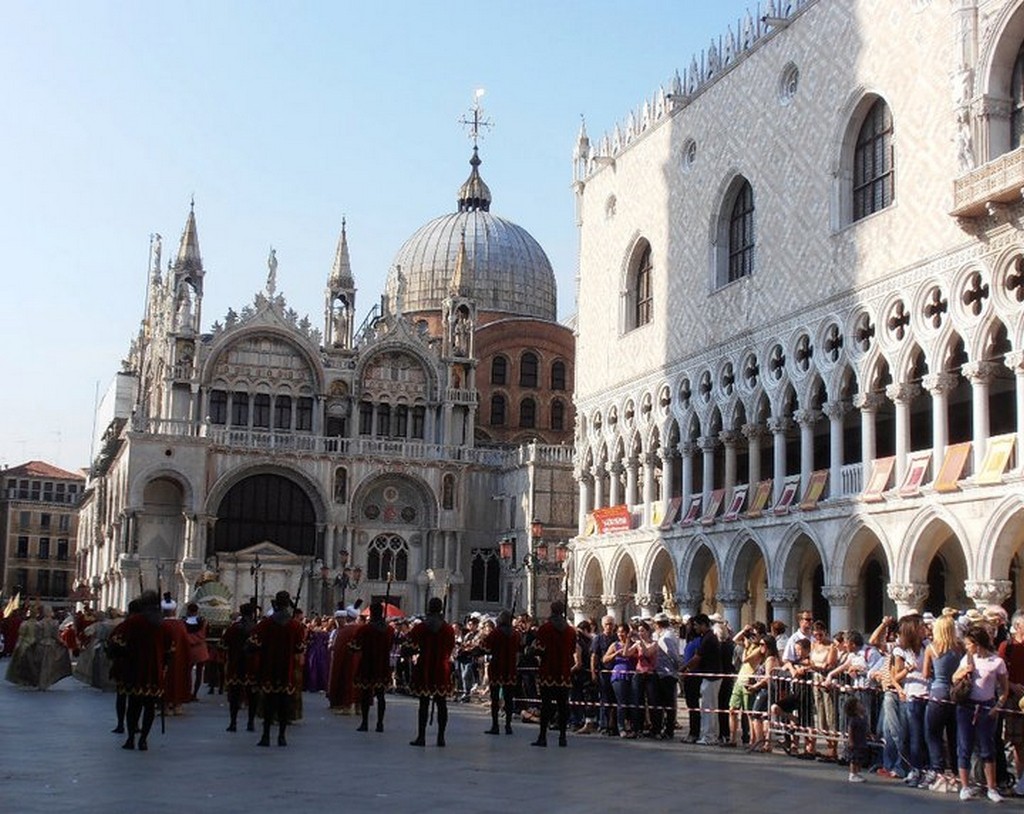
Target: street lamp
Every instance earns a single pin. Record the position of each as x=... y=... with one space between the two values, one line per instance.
x=534 y=562
x=349 y=577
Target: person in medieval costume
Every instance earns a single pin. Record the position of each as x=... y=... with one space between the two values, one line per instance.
x=373 y=675
x=341 y=691
x=240 y=667
x=502 y=644
x=142 y=643
x=23 y=668
x=432 y=641
x=556 y=646
x=177 y=684
x=53 y=657
x=198 y=652
x=279 y=640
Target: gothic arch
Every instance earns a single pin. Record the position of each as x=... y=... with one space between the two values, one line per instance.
x=230 y=339
x=742 y=551
x=698 y=559
x=922 y=541
x=430 y=501
x=161 y=470
x=228 y=480
x=621 y=570
x=658 y=570
x=856 y=539
x=1001 y=538
x=798 y=540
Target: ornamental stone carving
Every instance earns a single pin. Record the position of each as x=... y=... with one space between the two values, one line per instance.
x=939 y=383
x=902 y=392
x=782 y=596
x=644 y=600
x=840 y=595
x=979 y=372
x=807 y=417
x=1015 y=361
x=732 y=599
x=708 y=443
x=911 y=594
x=609 y=600
x=987 y=591
x=779 y=425
x=835 y=410
x=868 y=402
x=688 y=600
x=754 y=431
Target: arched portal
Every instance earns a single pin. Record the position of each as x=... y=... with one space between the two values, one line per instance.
x=266 y=507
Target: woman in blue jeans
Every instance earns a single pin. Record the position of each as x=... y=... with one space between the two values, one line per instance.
x=976 y=720
x=908 y=675
x=941 y=659
x=622 y=663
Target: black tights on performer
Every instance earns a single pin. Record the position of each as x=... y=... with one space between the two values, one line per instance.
x=144 y=706
x=557 y=697
x=275 y=708
x=509 y=693
x=441 y=704
x=366 y=701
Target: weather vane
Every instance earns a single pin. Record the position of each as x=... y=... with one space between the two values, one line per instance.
x=477 y=119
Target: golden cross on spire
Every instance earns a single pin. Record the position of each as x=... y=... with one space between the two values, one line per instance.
x=477 y=119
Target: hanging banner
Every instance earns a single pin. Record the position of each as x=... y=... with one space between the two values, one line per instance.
x=612 y=519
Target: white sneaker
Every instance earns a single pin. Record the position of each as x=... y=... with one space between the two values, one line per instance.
x=1018 y=788
x=856 y=778
x=994 y=796
x=913 y=778
x=970 y=793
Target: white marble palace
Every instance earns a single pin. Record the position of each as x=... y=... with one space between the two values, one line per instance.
x=260 y=453
x=800 y=352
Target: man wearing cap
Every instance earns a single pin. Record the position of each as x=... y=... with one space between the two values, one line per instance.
x=556 y=646
x=666 y=676
x=432 y=641
x=341 y=692
x=373 y=673
x=278 y=639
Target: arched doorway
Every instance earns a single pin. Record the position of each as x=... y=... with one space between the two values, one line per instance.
x=266 y=507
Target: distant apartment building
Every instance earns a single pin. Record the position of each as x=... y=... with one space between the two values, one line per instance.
x=39 y=517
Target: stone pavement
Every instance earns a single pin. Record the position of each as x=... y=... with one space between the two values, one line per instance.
x=57 y=755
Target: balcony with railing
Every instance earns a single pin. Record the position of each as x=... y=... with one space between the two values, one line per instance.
x=982 y=191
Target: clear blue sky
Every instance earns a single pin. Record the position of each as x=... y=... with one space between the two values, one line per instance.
x=280 y=118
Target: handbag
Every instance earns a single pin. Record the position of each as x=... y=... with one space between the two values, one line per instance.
x=960 y=692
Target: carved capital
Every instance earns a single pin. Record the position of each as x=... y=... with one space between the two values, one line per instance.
x=979 y=372
x=688 y=600
x=911 y=594
x=728 y=437
x=578 y=604
x=807 y=418
x=939 y=383
x=840 y=595
x=755 y=432
x=868 y=402
x=732 y=599
x=633 y=463
x=835 y=410
x=666 y=454
x=708 y=443
x=609 y=600
x=687 y=449
x=644 y=600
x=779 y=425
x=902 y=392
x=987 y=591
x=616 y=469
x=782 y=597
x=1015 y=361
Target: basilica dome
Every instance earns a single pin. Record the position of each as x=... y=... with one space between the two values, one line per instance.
x=505 y=269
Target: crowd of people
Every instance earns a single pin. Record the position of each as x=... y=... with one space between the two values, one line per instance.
x=933 y=702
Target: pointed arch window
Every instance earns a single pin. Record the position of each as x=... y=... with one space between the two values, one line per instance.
x=383 y=420
x=261 y=410
x=528 y=413
x=498 y=411
x=388 y=553
x=873 y=170
x=528 y=370
x=642 y=289
x=448 y=492
x=283 y=413
x=401 y=424
x=419 y=416
x=218 y=407
x=741 y=234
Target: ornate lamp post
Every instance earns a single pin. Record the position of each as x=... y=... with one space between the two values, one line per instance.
x=535 y=561
x=348 y=577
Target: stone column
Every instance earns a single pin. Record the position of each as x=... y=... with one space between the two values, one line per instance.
x=836 y=411
x=728 y=439
x=806 y=419
x=615 y=483
x=984 y=592
x=707 y=445
x=901 y=394
x=632 y=465
x=1015 y=361
x=939 y=385
x=908 y=596
x=647 y=604
x=687 y=602
x=732 y=601
x=841 y=599
x=585 y=480
x=783 y=602
x=599 y=473
x=754 y=434
x=686 y=449
x=611 y=606
x=778 y=426
x=577 y=608
x=667 y=481
x=648 y=499
x=980 y=375
x=868 y=404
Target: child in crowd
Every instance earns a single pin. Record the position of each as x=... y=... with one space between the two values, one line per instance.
x=857 y=737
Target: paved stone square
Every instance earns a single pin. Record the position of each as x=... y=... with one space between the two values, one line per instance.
x=57 y=755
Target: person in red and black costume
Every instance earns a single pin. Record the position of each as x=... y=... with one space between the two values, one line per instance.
x=239 y=666
x=556 y=646
x=432 y=640
x=373 y=673
x=143 y=646
x=502 y=644
x=278 y=639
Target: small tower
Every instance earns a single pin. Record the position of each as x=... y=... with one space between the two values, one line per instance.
x=581 y=154
x=458 y=311
x=340 y=299
x=186 y=279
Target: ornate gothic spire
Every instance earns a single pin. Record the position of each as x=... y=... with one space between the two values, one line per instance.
x=462 y=278
x=474 y=194
x=341 y=271
x=189 y=262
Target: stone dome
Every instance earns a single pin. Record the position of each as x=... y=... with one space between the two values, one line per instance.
x=505 y=269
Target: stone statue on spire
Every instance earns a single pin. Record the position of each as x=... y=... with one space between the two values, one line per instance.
x=272 y=272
